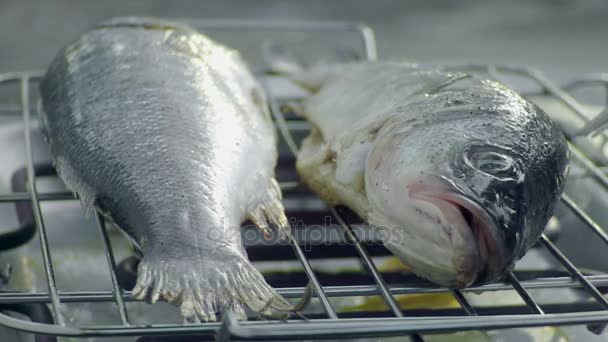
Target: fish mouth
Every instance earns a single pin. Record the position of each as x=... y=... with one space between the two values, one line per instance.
x=490 y=249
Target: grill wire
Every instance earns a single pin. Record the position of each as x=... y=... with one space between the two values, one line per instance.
x=331 y=326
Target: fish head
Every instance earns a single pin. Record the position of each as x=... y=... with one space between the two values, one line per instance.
x=461 y=196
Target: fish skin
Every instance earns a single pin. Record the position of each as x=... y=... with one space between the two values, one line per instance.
x=167 y=133
x=387 y=135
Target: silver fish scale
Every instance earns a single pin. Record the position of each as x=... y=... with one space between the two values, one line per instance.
x=168 y=133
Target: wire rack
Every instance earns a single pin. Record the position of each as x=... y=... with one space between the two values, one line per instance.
x=330 y=324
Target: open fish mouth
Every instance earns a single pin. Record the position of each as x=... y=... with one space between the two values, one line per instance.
x=492 y=255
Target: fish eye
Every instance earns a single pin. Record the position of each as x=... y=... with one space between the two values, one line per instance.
x=492 y=162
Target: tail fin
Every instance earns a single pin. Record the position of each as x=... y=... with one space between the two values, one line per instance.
x=202 y=288
x=280 y=61
x=595 y=125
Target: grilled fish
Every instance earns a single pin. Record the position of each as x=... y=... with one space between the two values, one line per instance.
x=167 y=133
x=459 y=173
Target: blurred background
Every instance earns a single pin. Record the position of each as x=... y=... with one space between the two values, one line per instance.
x=557 y=34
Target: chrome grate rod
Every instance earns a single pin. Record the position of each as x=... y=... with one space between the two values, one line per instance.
x=275 y=111
x=31 y=182
x=118 y=292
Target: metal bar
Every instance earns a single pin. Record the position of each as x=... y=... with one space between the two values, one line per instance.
x=556 y=91
x=31 y=181
x=588 y=164
x=24 y=196
x=17 y=76
x=367 y=261
x=330 y=291
x=595 y=293
x=282 y=26
x=464 y=303
x=566 y=98
x=118 y=292
x=601 y=78
x=288 y=185
x=525 y=295
x=589 y=80
x=578 y=173
x=358 y=328
x=313 y=278
x=279 y=118
x=315 y=329
x=369 y=42
x=581 y=214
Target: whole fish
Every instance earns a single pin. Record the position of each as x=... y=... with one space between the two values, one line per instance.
x=167 y=133
x=459 y=173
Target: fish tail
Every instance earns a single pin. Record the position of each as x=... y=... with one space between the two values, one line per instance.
x=203 y=290
x=270 y=212
x=281 y=62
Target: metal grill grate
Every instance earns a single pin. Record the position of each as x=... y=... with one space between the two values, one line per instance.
x=331 y=324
